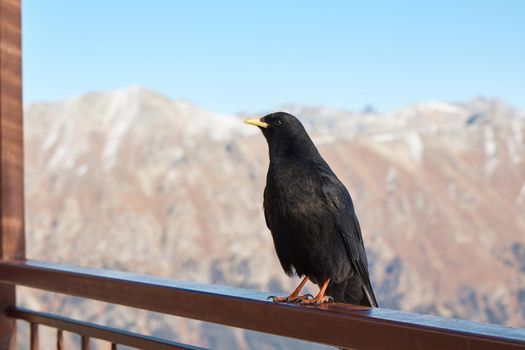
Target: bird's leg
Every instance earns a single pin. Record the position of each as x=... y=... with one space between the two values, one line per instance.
x=294 y=297
x=320 y=297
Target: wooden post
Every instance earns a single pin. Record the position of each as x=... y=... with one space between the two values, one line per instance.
x=12 y=241
x=60 y=339
x=34 y=338
x=86 y=342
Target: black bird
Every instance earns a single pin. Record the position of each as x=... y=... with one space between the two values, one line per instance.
x=311 y=217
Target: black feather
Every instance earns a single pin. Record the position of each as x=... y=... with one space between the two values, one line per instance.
x=311 y=216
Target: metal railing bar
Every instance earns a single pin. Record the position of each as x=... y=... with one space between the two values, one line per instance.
x=89 y=330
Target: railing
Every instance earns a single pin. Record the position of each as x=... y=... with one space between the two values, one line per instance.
x=87 y=331
x=340 y=325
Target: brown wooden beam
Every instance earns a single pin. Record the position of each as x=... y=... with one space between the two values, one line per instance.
x=12 y=244
x=340 y=325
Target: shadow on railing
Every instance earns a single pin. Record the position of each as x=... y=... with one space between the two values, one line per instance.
x=340 y=325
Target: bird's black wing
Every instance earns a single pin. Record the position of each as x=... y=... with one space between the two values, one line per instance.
x=338 y=199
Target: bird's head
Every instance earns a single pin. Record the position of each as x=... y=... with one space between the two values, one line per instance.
x=285 y=134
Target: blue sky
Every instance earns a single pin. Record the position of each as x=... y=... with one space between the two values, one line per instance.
x=231 y=56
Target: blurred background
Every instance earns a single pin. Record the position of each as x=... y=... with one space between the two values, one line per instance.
x=137 y=158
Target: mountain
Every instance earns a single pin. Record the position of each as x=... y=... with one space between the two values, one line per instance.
x=135 y=181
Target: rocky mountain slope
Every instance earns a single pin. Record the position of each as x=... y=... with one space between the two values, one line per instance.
x=132 y=180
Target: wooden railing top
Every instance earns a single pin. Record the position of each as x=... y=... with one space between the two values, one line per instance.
x=339 y=325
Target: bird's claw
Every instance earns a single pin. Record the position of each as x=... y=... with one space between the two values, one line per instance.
x=272 y=298
x=277 y=299
x=326 y=299
x=323 y=300
x=290 y=300
x=300 y=299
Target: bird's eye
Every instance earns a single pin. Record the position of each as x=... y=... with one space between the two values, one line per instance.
x=278 y=122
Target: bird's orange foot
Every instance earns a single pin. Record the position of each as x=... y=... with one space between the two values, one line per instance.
x=291 y=298
x=317 y=300
x=294 y=297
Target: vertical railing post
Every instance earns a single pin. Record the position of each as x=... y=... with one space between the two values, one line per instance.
x=86 y=342
x=34 y=338
x=60 y=339
x=12 y=241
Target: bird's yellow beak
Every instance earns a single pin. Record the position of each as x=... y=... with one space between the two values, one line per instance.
x=256 y=122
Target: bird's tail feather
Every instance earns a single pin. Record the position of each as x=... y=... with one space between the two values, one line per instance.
x=370 y=297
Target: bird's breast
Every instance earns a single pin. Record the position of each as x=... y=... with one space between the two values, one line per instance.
x=292 y=195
